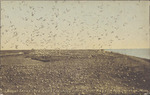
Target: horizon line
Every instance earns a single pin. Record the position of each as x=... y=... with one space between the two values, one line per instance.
x=73 y=49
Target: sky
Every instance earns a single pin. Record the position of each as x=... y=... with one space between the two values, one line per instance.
x=74 y=25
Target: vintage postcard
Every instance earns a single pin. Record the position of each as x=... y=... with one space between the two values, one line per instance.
x=74 y=47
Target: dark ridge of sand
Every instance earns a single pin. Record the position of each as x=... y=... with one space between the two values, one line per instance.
x=77 y=72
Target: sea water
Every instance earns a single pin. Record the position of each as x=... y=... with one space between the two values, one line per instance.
x=142 y=53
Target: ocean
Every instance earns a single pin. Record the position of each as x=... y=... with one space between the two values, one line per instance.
x=142 y=53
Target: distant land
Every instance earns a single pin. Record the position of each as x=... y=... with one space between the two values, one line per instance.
x=141 y=53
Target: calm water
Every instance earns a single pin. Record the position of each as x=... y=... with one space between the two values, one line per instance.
x=143 y=53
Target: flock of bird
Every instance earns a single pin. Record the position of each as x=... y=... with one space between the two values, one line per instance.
x=53 y=28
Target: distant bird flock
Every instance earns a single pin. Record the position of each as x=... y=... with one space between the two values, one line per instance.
x=59 y=27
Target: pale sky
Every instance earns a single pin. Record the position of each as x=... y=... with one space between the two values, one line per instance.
x=74 y=25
